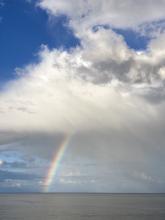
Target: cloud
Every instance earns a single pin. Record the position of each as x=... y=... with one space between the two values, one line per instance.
x=77 y=90
x=85 y=14
x=16 y=175
x=110 y=97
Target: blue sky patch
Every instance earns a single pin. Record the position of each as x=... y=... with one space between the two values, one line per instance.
x=23 y=29
x=134 y=39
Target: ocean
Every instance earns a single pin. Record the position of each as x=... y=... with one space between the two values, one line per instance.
x=63 y=206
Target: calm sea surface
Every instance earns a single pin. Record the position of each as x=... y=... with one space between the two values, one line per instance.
x=82 y=206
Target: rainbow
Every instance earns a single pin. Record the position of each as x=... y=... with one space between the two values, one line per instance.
x=55 y=163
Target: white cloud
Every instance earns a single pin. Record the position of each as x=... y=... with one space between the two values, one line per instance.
x=54 y=96
x=108 y=95
x=85 y=14
x=98 y=86
x=143 y=176
x=77 y=90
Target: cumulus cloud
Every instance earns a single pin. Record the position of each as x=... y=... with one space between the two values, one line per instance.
x=54 y=96
x=77 y=90
x=119 y=14
x=106 y=94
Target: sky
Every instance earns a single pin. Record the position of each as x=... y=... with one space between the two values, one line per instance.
x=82 y=96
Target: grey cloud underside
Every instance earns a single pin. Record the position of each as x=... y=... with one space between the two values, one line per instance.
x=16 y=176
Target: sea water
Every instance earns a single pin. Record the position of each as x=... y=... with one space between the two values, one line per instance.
x=82 y=206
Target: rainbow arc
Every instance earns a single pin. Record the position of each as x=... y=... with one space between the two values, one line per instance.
x=56 y=163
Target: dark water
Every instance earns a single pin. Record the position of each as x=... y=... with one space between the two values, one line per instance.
x=82 y=206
